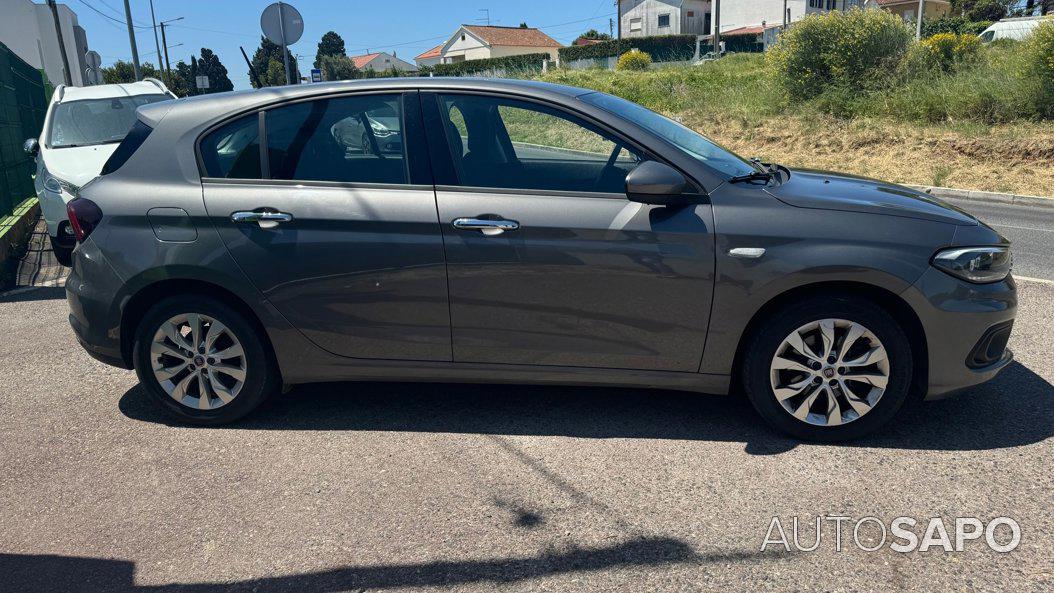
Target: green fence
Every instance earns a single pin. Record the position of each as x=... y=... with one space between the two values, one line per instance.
x=22 y=108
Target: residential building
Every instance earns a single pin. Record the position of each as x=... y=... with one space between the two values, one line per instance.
x=644 y=18
x=28 y=29
x=909 y=9
x=430 y=57
x=766 y=13
x=381 y=61
x=478 y=42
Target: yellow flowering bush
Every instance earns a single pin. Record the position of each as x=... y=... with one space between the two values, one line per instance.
x=943 y=52
x=634 y=59
x=848 y=50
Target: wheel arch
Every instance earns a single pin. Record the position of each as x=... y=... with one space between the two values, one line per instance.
x=136 y=307
x=882 y=297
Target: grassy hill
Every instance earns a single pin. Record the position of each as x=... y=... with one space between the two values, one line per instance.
x=961 y=130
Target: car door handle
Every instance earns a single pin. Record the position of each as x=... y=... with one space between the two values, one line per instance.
x=485 y=226
x=267 y=219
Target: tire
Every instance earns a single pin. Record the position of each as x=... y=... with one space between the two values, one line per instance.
x=237 y=383
x=833 y=415
x=63 y=255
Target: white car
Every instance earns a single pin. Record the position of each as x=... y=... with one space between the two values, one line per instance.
x=82 y=128
x=1016 y=29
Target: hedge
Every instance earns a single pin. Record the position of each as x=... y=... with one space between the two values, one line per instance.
x=953 y=24
x=661 y=48
x=515 y=63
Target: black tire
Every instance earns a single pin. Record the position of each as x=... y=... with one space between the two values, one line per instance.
x=261 y=375
x=762 y=345
x=63 y=255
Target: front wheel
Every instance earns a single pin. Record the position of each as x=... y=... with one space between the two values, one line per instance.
x=202 y=361
x=828 y=369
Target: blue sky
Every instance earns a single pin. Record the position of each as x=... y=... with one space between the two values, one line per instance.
x=408 y=27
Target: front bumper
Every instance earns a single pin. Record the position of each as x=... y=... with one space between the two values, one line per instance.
x=959 y=320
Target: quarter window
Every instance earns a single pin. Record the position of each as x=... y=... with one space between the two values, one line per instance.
x=348 y=139
x=509 y=144
x=233 y=150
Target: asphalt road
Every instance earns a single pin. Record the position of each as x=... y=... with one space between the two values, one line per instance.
x=1031 y=230
x=396 y=487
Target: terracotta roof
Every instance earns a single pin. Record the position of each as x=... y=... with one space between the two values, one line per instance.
x=515 y=36
x=584 y=41
x=435 y=52
x=892 y=2
x=361 y=61
x=754 y=30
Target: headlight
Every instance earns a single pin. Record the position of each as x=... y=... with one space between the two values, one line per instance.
x=975 y=264
x=52 y=184
x=381 y=131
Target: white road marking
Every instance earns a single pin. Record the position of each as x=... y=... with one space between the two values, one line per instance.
x=1024 y=228
x=1036 y=280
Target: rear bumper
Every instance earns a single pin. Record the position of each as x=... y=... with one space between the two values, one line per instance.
x=966 y=327
x=94 y=314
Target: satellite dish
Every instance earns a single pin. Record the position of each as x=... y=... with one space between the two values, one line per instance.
x=282 y=24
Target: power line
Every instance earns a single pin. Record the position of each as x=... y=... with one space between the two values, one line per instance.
x=116 y=20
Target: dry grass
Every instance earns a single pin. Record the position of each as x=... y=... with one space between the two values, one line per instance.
x=1012 y=158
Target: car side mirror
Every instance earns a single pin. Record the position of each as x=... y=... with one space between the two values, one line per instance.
x=31 y=146
x=656 y=183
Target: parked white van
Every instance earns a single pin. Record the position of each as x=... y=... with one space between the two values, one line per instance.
x=1014 y=28
x=82 y=128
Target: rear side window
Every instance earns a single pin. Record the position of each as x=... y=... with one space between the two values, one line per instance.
x=347 y=139
x=131 y=143
x=232 y=151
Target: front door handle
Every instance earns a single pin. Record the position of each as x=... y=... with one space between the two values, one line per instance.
x=267 y=219
x=485 y=226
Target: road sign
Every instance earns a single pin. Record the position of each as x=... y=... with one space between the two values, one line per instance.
x=202 y=82
x=92 y=67
x=282 y=24
x=316 y=75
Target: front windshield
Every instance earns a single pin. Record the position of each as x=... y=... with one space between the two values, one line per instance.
x=95 y=121
x=677 y=134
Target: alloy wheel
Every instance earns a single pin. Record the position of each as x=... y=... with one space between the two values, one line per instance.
x=829 y=372
x=198 y=361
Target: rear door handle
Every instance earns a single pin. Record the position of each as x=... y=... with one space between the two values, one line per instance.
x=485 y=226
x=267 y=219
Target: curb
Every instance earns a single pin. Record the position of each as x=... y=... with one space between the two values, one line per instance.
x=986 y=196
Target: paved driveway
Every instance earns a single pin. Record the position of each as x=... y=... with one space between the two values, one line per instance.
x=495 y=488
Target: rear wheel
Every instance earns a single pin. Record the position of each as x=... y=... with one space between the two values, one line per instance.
x=828 y=369
x=202 y=361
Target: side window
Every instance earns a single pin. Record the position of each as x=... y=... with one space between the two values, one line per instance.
x=233 y=150
x=509 y=144
x=349 y=139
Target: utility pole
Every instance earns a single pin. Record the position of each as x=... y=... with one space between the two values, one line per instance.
x=131 y=40
x=156 y=42
x=164 y=44
x=66 y=74
x=717 y=28
x=618 y=5
x=918 y=21
x=785 y=15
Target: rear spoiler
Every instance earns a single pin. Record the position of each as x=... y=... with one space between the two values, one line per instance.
x=159 y=85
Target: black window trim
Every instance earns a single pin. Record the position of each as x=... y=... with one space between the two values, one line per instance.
x=446 y=177
x=265 y=174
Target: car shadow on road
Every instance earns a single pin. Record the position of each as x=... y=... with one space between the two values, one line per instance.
x=28 y=573
x=1015 y=409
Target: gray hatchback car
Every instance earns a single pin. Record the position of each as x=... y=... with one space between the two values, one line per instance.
x=518 y=232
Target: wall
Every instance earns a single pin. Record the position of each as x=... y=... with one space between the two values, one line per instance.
x=649 y=11
x=385 y=61
x=29 y=31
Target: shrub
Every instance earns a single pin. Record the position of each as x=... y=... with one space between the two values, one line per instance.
x=508 y=66
x=662 y=48
x=855 y=50
x=634 y=59
x=953 y=24
x=1038 y=57
x=943 y=52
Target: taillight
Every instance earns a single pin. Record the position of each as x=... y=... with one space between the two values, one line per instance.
x=84 y=216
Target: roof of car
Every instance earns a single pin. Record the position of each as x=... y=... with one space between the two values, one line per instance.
x=109 y=91
x=234 y=101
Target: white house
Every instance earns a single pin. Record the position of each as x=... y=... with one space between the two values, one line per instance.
x=479 y=42
x=642 y=18
x=28 y=29
x=381 y=61
x=752 y=13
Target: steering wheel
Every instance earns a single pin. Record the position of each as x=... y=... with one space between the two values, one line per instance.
x=610 y=164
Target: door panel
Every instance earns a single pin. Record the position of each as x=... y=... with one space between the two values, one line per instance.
x=584 y=281
x=359 y=271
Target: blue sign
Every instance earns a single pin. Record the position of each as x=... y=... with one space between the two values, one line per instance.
x=316 y=75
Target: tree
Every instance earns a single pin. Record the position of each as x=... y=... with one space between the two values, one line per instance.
x=594 y=34
x=264 y=60
x=331 y=45
x=123 y=72
x=182 y=80
x=338 y=68
x=983 y=10
x=209 y=65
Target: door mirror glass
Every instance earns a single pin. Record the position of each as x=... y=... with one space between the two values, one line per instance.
x=31 y=146
x=656 y=183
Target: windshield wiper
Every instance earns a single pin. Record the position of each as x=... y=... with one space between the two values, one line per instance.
x=754 y=176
